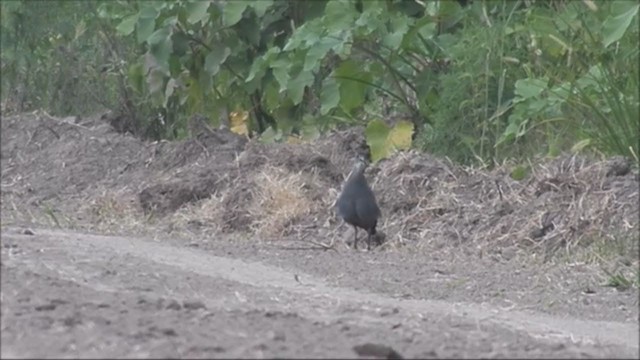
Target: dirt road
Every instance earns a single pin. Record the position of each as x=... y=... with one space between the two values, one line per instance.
x=69 y=294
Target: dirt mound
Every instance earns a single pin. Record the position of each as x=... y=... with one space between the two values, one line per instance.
x=566 y=201
x=217 y=179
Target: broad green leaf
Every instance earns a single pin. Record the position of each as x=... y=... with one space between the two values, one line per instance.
x=268 y=136
x=450 y=13
x=258 y=69
x=330 y=95
x=197 y=11
x=528 y=88
x=159 y=5
x=353 y=84
x=400 y=25
x=339 y=15
x=296 y=86
x=232 y=11
x=127 y=25
x=297 y=38
x=376 y=134
x=161 y=48
x=260 y=65
x=591 y=78
x=616 y=24
x=175 y=65
x=214 y=59
x=146 y=24
x=159 y=36
x=271 y=95
x=261 y=7
x=180 y=43
x=425 y=26
x=371 y=18
x=318 y=51
x=136 y=77
x=148 y=11
x=280 y=69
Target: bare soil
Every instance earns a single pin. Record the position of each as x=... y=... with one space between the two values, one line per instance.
x=224 y=247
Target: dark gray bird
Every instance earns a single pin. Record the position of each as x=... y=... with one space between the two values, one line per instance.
x=357 y=204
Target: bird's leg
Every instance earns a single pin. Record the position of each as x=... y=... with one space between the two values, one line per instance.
x=369 y=240
x=355 y=241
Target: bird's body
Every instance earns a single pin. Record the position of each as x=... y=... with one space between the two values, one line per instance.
x=357 y=203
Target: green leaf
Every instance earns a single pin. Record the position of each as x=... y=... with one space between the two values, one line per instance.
x=280 y=69
x=519 y=172
x=376 y=134
x=271 y=95
x=197 y=11
x=136 y=77
x=146 y=24
x=269 y=136
x=616 y=24
x=159 y=36
x=258 y=69
x=339 y=15
x=330 y=95
x=528 y=88
x=160 y=5
x=261 y=7
x=450 y=13
x=371 y=18
x=149 y=12
x=260 y=65
x=127 y=25
x=297 y=85
x=160 y=47
x=250 y=31
x=180 y=43
x=400 y=25
x=214 y=59
x=175 y=66
x=353 y=84
x=318 y=52
x=232 y=11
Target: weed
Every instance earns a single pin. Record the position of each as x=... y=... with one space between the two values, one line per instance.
x=619 y=281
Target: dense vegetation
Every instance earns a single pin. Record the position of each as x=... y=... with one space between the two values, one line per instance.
x=478 y=81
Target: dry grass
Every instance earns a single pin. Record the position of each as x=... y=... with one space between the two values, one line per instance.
x=279 y=199
x=113 y=211
x=558 y=208
x=205 y=214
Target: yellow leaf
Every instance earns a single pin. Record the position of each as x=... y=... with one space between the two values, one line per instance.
x=384 y=141
x=377 y=133
x=292 y=139
x=238 y=122
x=399 y=137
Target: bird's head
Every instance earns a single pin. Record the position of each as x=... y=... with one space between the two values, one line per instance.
x=360 y=163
